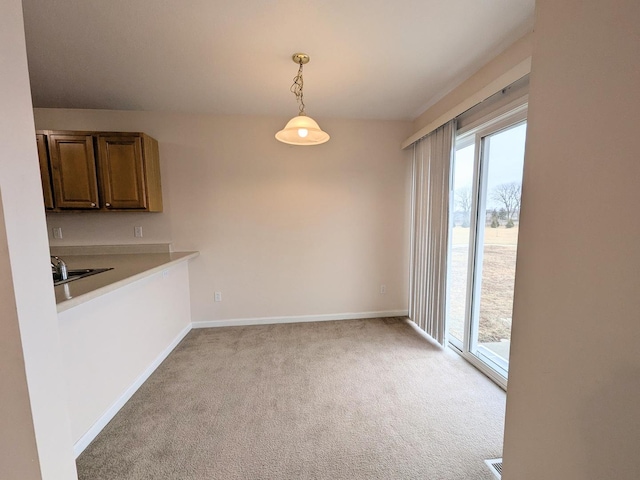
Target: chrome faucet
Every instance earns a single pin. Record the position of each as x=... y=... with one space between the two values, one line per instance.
x=60 y=267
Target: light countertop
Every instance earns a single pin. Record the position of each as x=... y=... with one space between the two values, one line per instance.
x=127 y=268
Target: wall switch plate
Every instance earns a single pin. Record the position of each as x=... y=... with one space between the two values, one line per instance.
x=383 y=289
x=218 y=296
x=57 y=232
x=137 y=232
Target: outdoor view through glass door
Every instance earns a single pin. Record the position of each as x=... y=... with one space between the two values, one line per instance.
x=484 y=213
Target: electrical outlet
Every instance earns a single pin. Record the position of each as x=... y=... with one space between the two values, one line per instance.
x=137 y=232
x=383 y=289
x=57 y=232
x=218 y=296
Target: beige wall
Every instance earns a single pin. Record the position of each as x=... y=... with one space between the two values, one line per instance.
x=282 y=230
x=18 y=450
x=572 y=405
x=34 y=426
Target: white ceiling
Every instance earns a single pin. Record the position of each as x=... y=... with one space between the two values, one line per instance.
x=377 y=59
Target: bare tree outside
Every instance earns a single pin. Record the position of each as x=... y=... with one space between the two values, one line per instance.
x=495 y=219
x=508 y=195
x=464 y=202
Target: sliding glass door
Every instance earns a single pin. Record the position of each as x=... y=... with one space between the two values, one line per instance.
x=484 y=219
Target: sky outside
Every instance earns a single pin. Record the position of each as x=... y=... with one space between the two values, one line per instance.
x=506 y=161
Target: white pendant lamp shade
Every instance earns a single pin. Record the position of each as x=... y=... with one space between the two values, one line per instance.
x=302 y=130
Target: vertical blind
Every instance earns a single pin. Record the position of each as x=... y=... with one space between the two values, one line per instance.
x=430 y=230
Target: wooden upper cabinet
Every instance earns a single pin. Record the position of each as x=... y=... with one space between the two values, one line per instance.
x=122 y=171
x=73 y=169
x=45 y=174
x=104 y=171
x=129 y=167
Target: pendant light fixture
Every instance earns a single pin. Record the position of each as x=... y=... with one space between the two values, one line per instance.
x=301 y=129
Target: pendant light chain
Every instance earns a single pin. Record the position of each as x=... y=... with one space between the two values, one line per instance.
x=296 y=89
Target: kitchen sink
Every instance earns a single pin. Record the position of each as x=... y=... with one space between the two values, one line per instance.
x=77 y=274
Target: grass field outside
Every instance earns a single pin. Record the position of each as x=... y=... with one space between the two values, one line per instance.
x=498 y=274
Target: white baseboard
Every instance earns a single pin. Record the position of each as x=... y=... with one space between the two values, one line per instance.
x=106 y=417
x=298 y=319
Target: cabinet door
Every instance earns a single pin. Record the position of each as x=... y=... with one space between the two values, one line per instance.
x=45 y=174
x=122 y=172
x=73 y=168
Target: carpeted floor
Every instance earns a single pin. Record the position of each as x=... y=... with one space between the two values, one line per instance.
x=361 y=399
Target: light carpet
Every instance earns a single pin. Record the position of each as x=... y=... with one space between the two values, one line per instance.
x=360 y=399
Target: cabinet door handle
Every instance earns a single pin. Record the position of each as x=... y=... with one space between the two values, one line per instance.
x=93 y=204
x=107 y=204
